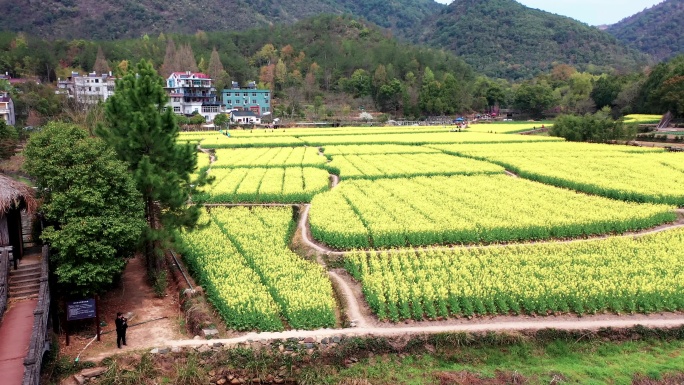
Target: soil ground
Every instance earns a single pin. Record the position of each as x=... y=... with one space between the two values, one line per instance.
x=134 y=295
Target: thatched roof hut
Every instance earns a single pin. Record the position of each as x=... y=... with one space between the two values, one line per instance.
x=15 y=194
x=14 y=197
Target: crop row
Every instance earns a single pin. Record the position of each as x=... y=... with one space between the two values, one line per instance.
x=424 y=138
x=468 y=209
x=380 y=149
x=236 y=291
x=269 y=157
x=267 y=185
x=654 y=177
x=407 y=165
x=623 y=275
x=301 y=288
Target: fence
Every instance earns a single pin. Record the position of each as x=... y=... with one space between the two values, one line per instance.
x=40 y=339
x=4 y=278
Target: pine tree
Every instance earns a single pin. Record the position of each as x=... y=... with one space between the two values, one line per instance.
x=101 y=66
x=186 y=59
x=216 y=71
x=170 y=63
x=143 y=133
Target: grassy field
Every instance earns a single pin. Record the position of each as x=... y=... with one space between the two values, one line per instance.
x=558 y=362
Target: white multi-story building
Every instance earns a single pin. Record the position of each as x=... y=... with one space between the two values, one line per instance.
x=192 y=92
x=7 y=108
x=88 y=89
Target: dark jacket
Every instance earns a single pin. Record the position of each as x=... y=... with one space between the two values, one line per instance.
x=121 y=325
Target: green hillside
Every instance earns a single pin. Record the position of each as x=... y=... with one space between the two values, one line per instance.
x=658 y=30
x=115 y=19
x=503 y=38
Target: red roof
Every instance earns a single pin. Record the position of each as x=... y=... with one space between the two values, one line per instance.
x=198 y=75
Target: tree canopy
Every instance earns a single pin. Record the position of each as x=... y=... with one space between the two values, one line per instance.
x=143 y=134
x=94 y=212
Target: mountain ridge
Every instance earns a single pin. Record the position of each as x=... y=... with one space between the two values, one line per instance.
x=656 y=30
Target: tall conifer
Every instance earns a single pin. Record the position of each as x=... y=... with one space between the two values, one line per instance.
x=143 y=133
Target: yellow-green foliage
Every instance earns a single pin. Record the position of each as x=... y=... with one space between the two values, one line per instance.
x=469 y=209
x=267 y=185
x=507 y=128
x=642 y=118
x=380 y=149
x=408 y=165
x=624 y=275
x=232 y=286
x=620 y=172
x=269 y=157
x=423 y=138
x=301 y=288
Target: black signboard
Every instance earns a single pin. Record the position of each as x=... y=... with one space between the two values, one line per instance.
x=83 y=309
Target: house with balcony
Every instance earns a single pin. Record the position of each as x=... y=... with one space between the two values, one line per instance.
x=192 y=92
x=247 y=99
x=7 y=109
x=87 y=89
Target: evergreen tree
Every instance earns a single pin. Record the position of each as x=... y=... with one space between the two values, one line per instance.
x=143 y=133
x=170 y=64
x=101 y=66
x=216 y=71
x=94 y=213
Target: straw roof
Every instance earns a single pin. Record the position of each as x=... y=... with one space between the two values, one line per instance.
x=13 y=193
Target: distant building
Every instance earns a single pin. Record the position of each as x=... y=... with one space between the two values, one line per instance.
x=244 y=117
x=7 y=108
x=191 y=92
x=247 y=99
x=87 y=89
x=13 y=81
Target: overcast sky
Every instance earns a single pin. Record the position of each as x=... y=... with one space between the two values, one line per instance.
x=593 y=12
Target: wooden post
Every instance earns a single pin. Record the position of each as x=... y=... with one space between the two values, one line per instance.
x=66 y=327
x=97 y=316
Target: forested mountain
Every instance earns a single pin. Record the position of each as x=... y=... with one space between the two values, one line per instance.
x=503 y=38
x=115 y=19
x=658 y=30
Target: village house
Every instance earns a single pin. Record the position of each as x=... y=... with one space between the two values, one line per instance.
x=7 y=108
x=192 y=92
x=244 y=117
x=87 y=89
x=247 y=99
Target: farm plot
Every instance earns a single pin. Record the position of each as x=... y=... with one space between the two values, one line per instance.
x=223 y=141
x=612 y=171
x=267 y=185
x=407 y=165
x=424 y=138
x=622 y=275
x=269 y=157
x=380 y=149
x=507 y=128
x=332 y=131
x=251 y=275
x=467 y=209
x=236 y=291
x=301 y=288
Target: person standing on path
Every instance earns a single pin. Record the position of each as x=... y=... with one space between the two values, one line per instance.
x=121 y=326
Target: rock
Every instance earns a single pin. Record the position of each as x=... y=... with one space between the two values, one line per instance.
x=176 y=349
x=256 y=381
x=164 y=351
x=154 y=351
x=309 y=340
x=281 y=348
x=218 y=344
x=278 y=380
x=203 y=349
x=93 y=372
x=352 y=324
x=235 y=381
x=209 y=333
x=212 y=373
x=292 y=339
x=325 y=341
x=79 y=379
x=221 y=381
x=336 y=340
x=196 y=338
x=308 y=346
